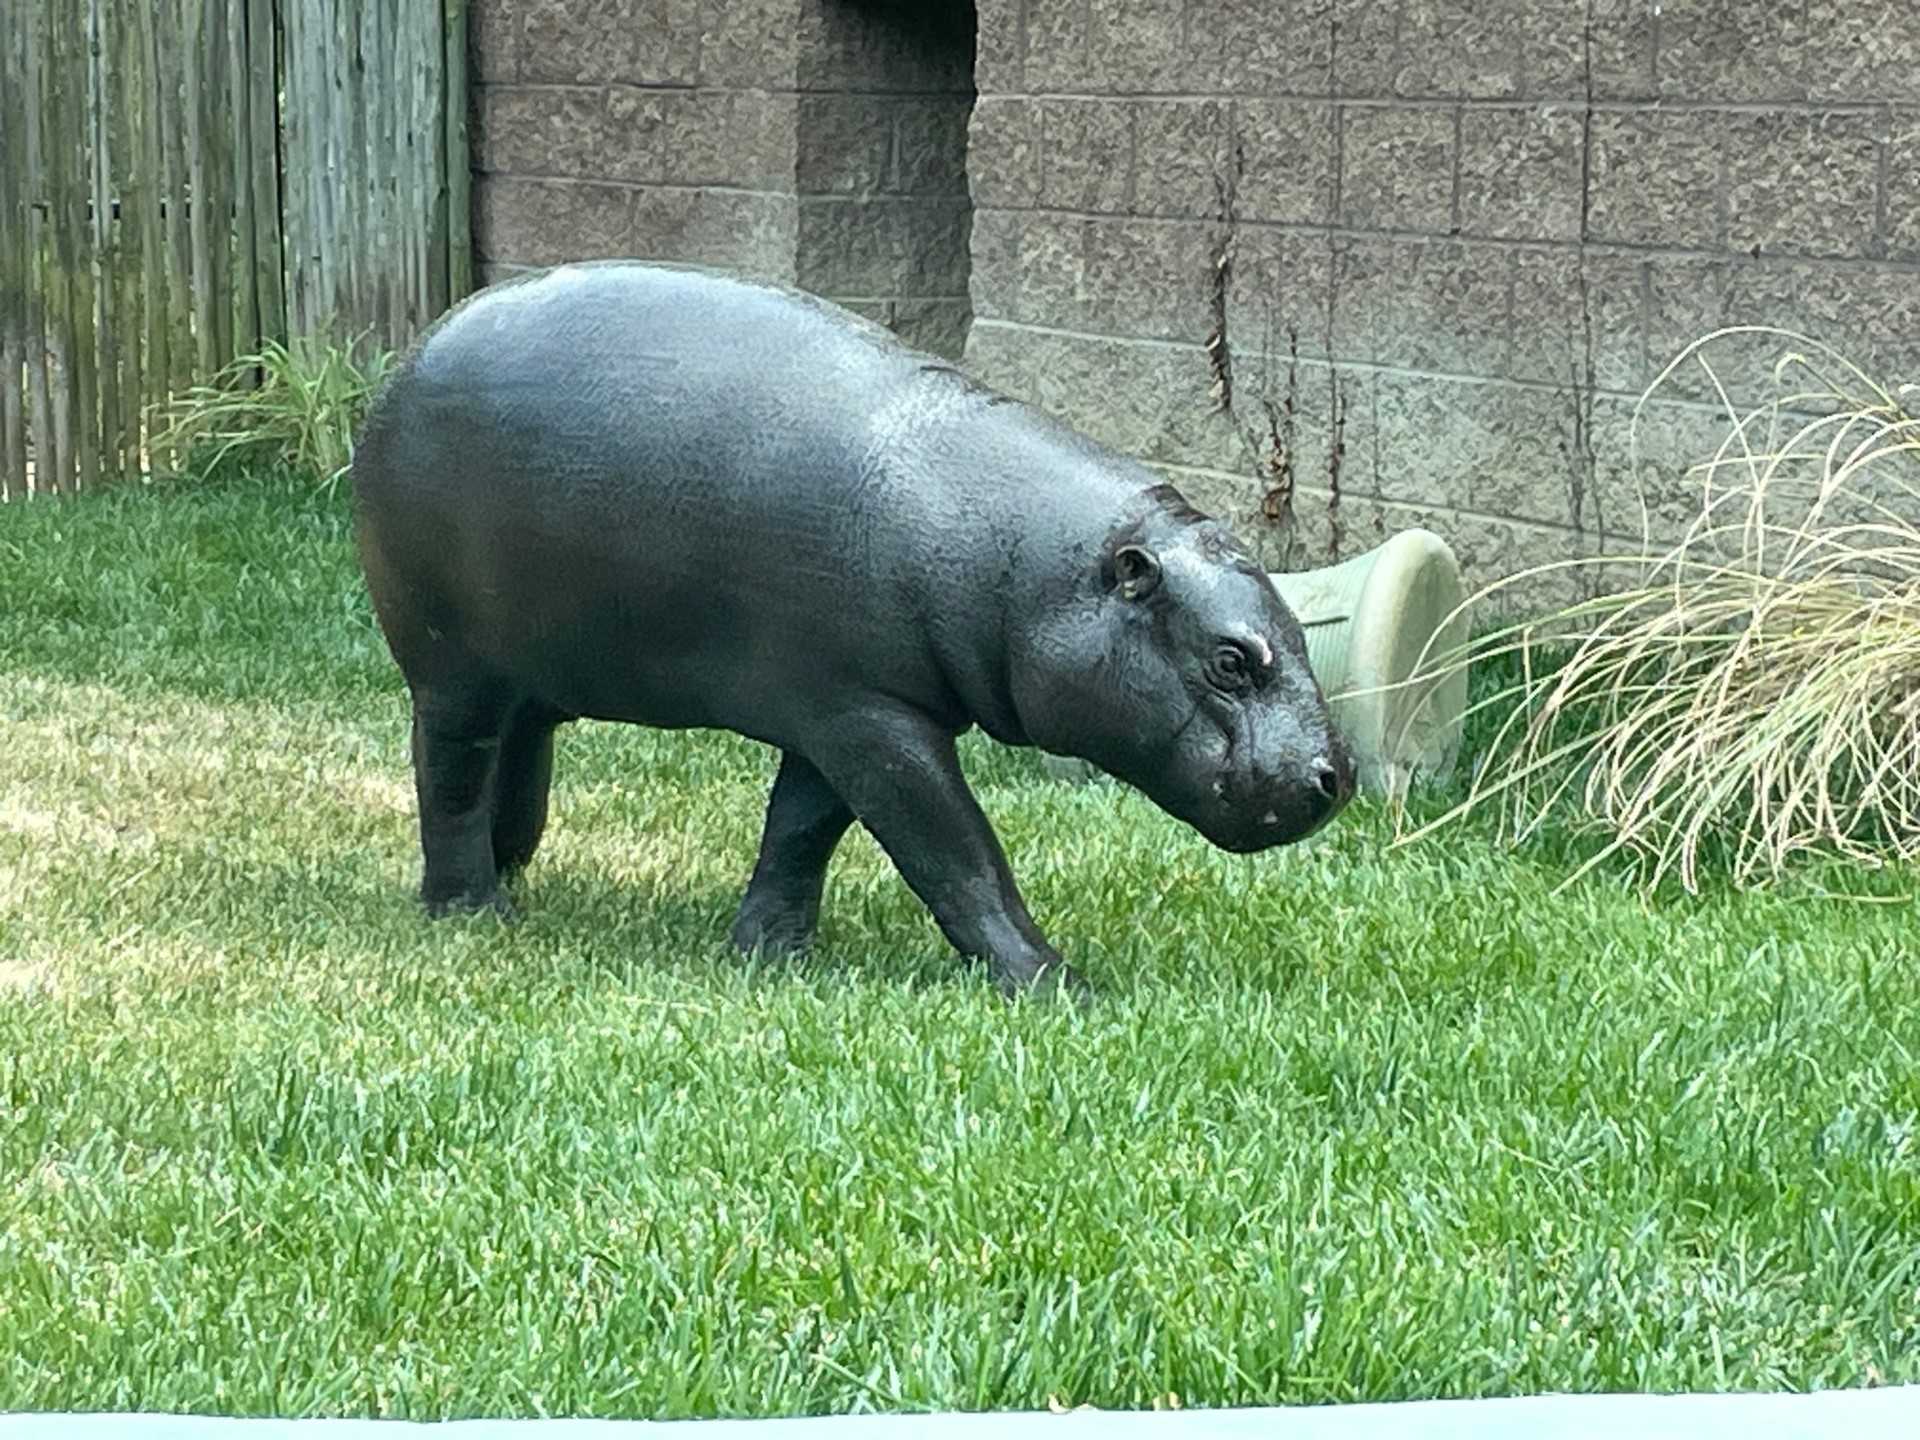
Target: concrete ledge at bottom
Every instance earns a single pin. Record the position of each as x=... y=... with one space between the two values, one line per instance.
x=1888 y=1413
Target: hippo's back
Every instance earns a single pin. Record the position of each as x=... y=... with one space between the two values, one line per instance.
x=597 y=374
x=659 y=495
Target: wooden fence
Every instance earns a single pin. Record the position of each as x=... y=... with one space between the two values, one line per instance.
x=181 y=180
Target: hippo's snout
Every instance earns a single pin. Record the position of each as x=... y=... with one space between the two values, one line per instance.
x=1283 y=803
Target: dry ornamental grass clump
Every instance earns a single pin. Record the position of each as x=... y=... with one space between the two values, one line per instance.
x=1752 y=693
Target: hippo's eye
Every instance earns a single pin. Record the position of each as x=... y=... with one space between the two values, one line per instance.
x=1230 y=669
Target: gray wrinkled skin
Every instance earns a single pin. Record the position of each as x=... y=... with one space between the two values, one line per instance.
x=626 y=492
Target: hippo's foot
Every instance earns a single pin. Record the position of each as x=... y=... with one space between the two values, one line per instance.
x=765 y=927
x=1049 y=980
x=495 y=904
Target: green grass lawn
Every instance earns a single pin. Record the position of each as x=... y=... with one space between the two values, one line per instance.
x=1346 y=1124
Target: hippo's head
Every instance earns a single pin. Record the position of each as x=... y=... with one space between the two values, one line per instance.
x=1184 y=674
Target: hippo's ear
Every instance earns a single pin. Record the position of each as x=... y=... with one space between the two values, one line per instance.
x=1134 y=572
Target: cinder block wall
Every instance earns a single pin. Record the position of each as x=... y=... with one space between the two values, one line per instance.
x=631 y=128
x=1431 y=251
x=817 y=142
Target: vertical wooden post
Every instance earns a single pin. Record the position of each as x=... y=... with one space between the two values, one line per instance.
x=456 y=165
x=158 y=365
x=101 y=115
x=57 y=292
x=79 y=251
x=130 y=97
x=262 y=78
x=172 y=62
x=15 y=275
x=243 y=275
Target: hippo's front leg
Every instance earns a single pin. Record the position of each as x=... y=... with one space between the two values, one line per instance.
x=900 y=774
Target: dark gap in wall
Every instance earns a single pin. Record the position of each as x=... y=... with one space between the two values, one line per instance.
x=886 y=215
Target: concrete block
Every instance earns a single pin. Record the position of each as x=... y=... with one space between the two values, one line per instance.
x=1261 y=47
x=1576 y=312
x=1397 y=169
x=1902 y=239
x=1056 y=60
x=749 y=44
x=674 y=137
x=545 y=222
x=668 y=225
x=930 y=145
x=1075 y=379
x=1338 y=442
x=1654 y=179
x=1135 y=47
x=1643 y=454
x=882 y=245
x=638 y=42
x=1850 y=51
x=1049 y=283
x=1570 y=48
x=1869 y=314
x=1186 y=425
x=1004 y=152
x=1686 y=299
x=1125 y=277
x=1181 y=157
x=1885 y=304
x=1459 y=49
x=493 y=41
x=1363 y=56
x=751 y=235
x=1521 y=172
x=845 y=144
x=1866 y=51
x=937 y=326
x=994 y=271
x=1363 y=289
x=1726 y=49
x=762 y=140
x=1496 y=448
x=1087 y=153
x=1451 y=313
x=938 y=232
x=1801 y=184
x=1276 y=303
x=1144 y=400
x=1147 y=278
x=999 y=53
x=1289 y=161
x=545 y=130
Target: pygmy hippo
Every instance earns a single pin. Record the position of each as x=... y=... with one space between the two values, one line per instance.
x=624 y=491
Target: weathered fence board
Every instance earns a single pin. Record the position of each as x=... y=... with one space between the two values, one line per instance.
x=184 y=180
x=13 y=247
x=369 y=236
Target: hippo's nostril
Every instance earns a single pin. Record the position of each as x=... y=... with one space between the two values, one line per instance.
x=1331 y=781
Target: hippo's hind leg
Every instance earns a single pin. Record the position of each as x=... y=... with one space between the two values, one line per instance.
x=805 y=820
x=521 y=786
x=457 y=730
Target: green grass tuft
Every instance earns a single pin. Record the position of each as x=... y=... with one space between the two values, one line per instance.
x=291 y=407
x=1348 y=1122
